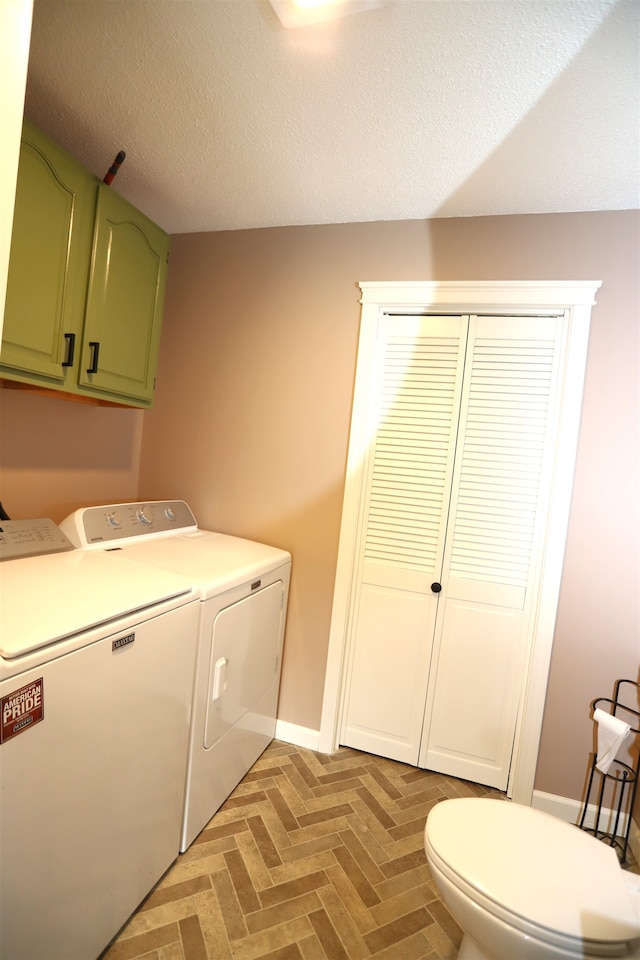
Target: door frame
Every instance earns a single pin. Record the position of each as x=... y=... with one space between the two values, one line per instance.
x=574 y=300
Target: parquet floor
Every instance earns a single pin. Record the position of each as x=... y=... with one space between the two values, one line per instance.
x=312 y=857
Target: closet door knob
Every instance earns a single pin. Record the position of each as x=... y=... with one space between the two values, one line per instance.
x=436 y=587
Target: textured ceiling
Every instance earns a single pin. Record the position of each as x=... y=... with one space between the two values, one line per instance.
x=432 y=108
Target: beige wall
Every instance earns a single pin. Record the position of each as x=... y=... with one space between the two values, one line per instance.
x=57 y=454
x=253 y=405
x=252 y=417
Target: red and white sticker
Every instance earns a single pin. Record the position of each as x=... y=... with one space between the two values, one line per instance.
x=22 y=709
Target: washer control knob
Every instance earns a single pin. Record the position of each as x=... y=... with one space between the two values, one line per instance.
x=169 y=513
x=145 y=514
x=113 y=519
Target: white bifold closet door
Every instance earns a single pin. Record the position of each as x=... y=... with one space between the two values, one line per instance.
x=463 y=413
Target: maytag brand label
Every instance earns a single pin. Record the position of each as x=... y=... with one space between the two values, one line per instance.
x=122 y=641
x=22 y=709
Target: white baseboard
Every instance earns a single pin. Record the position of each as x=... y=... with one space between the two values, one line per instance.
x=571 y=810
x=298 y=736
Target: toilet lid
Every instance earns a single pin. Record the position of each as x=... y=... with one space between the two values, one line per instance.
x=535 y=867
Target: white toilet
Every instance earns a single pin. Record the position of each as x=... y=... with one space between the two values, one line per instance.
x=523 y=885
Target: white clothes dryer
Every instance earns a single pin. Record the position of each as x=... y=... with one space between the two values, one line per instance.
x=243 y=588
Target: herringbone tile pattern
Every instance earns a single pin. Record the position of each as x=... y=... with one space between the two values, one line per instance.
x=311 y=858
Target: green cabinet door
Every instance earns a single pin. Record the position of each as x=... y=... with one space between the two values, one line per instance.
x=48 y=266
x=124 y=302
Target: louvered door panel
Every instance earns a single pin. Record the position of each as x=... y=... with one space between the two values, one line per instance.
x=502 y=458
x=415 y=394
x=496 y=517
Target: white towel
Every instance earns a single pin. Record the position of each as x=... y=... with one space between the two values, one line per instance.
x=611 y=733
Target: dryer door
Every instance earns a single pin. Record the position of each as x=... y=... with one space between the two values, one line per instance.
x=243 y=669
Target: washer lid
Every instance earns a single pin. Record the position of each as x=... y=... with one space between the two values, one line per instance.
x=534 y=866
x=45 y=599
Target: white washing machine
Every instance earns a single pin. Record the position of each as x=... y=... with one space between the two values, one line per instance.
x=243 y=588
x=97 y=659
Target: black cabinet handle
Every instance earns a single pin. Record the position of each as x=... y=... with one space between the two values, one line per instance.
x=436 y=587
x=94 y=346
x=71 y=349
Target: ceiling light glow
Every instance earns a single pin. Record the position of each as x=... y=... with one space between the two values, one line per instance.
x=301 y=13
x=307 y=4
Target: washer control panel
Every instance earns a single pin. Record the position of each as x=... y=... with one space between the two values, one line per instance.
x=31 y=538
x=118 y=523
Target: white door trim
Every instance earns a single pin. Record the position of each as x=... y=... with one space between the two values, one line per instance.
x=575 y=298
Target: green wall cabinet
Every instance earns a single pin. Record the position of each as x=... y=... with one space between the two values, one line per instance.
x=85 y=290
